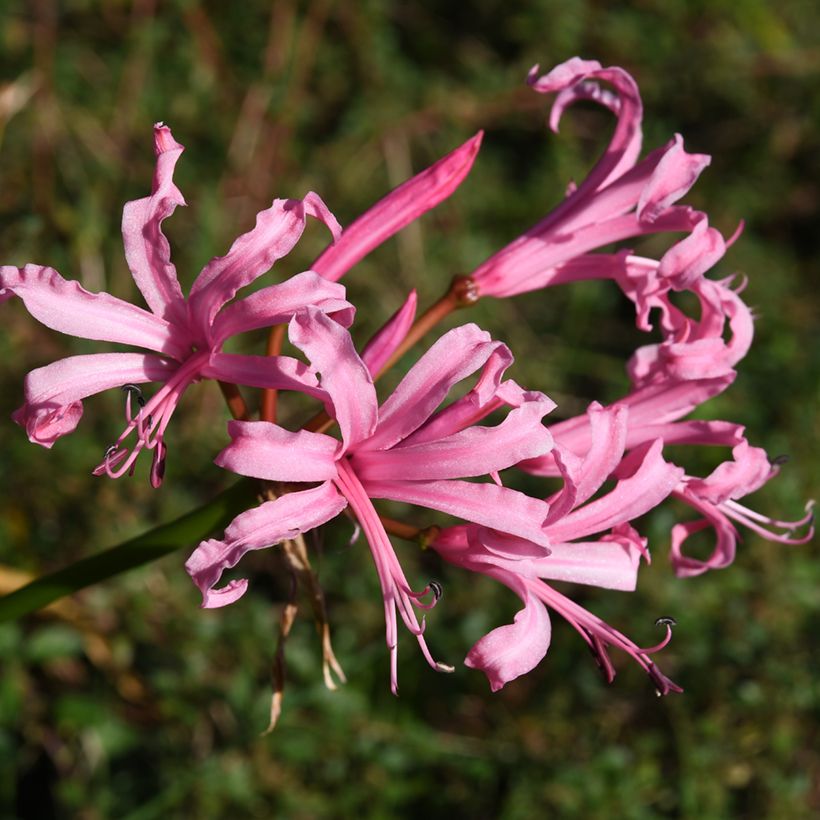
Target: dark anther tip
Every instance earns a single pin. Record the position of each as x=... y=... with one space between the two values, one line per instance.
x=437 y=589
x=783 y=458
x=666 y=620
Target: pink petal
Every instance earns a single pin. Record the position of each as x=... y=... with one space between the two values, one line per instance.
x=748 y=470
x=277 y=230
x=66 y=306
x=387 y=339
x=452 y=358
x=146 y=249
x=487 y=504
x=690 y=258
x=54 y=393
x=277 y=304
x=514 y=649
x=263 y=526
x=344 y=376
x=723 y=553
x=400 y=207
x=263 y=450
x=278 y=372
x=475 y=451
x=653 y=481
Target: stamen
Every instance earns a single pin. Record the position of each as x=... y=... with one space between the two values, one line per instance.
x=437 y=589
x=781 y=459
x=668 y=622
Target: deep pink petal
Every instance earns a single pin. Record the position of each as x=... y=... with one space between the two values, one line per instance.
x=263 y=450
x=452 y=358
x=277 y=230
x=400 y=207
x=54 y=393
x=344 y=376
x=748 y=470
x=695 y=254
x=277 y=304
x=572 y=78
x=384 y=343
x=66 y=306
x=146 y=249
x=263 y=526
x=487 y=504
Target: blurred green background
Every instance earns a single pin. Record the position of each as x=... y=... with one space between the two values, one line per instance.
x=131 y=702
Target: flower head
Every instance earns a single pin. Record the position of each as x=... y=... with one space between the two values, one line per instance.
x=405 y=450
x=185 y=336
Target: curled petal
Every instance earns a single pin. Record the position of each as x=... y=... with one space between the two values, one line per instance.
x=748 y=470
x=263 y=526
x=514 y=649
x=400 y=207
x=146 y=249
x=723 y=553
x=695 y=254
x=54 y=393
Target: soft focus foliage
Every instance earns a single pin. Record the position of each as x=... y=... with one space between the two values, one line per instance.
x=129 y=701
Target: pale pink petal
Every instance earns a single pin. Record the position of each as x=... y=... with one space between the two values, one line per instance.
x=344 y=376
x=674 y=175
x=456 y=355
x=487 y=504
x=384 y=343
x=277 y=372
x=514 y=649
x=653 y=480
x=263 y=526
x=277 y=304
x=475 y=451
x=263 y=450
x=400 y=207
x=277 y=230
x=54 y=393
x=723 y=552
x=611 y=562
x=146 y=249
x=66 y=306
x=748 y=470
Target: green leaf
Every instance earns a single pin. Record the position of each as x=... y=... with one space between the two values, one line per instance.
x=185 y=531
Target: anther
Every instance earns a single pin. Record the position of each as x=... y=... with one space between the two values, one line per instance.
x=666 y=620
x=780 y=460
x=436 y=589
x=109 y=451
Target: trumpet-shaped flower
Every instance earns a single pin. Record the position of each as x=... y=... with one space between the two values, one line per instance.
x=404 y=450
x=185 y=336
x=611 y=561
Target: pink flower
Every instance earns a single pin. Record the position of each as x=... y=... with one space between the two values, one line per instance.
x=402 y=450
x=184 y=335
x=611 y=561
x=621 y=197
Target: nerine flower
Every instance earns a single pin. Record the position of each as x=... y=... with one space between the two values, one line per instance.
x=404 y=450
x=185 y=335
x=621 y=197
x=610 y=561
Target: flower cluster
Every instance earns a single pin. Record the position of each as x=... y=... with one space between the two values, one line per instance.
x=419 y=446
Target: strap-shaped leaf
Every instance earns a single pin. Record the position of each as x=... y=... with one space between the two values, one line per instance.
x=186 y=531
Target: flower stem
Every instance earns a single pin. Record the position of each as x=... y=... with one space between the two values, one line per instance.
x=276 y=337
x=236 y=404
